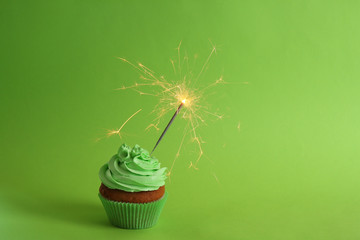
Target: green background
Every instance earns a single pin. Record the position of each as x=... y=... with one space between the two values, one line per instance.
x=291 y=172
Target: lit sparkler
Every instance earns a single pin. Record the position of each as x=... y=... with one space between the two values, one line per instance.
x=177 y=94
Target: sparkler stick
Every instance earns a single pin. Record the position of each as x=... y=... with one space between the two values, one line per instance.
x=169 y=124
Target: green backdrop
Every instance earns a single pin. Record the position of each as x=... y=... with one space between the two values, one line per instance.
x=290 y=172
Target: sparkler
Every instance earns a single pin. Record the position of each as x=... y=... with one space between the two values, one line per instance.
x=181 y=90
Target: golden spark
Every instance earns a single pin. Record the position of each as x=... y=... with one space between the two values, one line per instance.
x=118 y=131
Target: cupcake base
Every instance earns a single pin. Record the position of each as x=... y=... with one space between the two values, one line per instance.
x=133 y=215
x=132 y=197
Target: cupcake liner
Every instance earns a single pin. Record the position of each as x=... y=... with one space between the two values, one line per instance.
x=133 y=215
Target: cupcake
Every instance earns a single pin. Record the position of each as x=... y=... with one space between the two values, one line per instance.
x=133 y=188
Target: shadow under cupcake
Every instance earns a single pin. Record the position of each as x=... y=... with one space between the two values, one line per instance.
x=133 y=188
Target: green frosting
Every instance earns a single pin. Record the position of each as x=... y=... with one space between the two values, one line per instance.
x=133 y=170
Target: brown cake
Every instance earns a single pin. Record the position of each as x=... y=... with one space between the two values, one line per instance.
x=131 y=197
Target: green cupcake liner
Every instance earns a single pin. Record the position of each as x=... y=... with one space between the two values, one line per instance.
x=133 y=215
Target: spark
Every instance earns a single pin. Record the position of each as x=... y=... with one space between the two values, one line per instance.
x=238 y=126
x=178 y=152
x=206 y=62
x=180 y=92
x=192 y=166
x=118 y=131
x=216 y=178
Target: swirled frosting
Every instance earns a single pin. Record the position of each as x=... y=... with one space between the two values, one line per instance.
x=133 y=170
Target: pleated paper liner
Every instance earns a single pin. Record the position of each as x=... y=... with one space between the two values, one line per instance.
x=133 y=215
